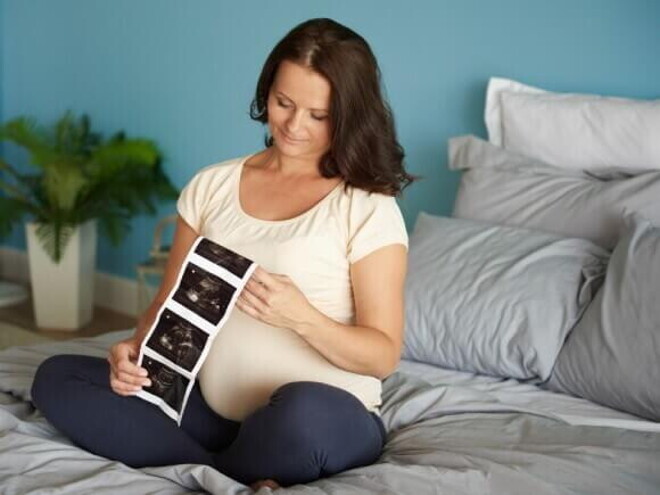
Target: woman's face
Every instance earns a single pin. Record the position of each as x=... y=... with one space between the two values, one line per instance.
x=299 y=111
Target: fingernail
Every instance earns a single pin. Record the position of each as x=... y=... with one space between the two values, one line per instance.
x=147 y=383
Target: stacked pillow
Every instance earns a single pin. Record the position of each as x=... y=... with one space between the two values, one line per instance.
x=612 y=356
x=574 y=131
x=505 y=187
x=495 y=300
x=499 y=288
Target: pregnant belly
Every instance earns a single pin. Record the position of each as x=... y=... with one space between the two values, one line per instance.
x=249 y=360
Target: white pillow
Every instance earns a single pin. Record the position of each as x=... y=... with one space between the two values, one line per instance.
x=577 y=131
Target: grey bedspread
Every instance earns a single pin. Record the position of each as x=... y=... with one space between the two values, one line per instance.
x=449 y=433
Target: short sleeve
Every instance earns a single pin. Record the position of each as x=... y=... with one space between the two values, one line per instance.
x=192 y=199
x=375 y=222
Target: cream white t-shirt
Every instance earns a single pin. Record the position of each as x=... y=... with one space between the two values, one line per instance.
x=249 y=359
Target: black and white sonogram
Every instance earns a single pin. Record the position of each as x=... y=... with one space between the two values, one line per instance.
x=204 y=293
x=226 y=258
x=178 y=340
x=165 y=383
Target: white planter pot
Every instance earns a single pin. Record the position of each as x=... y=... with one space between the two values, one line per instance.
x=63 y=293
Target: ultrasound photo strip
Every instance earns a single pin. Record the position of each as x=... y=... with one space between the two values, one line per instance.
x=200 y=302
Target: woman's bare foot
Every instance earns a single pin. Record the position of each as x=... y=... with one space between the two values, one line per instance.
x=258 y=485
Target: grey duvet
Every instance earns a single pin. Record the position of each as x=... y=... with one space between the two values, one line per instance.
x=448 y=433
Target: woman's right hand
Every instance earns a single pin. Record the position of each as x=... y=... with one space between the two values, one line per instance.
x=126 y=377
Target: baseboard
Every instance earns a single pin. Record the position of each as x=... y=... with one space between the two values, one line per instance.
x=117 y=293
x=110 y=291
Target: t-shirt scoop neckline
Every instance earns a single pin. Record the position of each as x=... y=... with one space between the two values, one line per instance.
x=236 y=193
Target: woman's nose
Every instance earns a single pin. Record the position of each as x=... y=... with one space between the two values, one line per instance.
x=294 y=122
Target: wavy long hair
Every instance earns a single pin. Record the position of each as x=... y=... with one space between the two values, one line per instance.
x=364 y=150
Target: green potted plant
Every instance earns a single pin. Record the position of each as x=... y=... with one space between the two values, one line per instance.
x=81 y=180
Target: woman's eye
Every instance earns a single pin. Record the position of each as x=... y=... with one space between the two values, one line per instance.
x=282 y=104
x=319 y=117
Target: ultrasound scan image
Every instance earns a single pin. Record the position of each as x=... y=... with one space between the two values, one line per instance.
x=166 y=383
x=178 y=340
x=204 y=293
x=229 y=260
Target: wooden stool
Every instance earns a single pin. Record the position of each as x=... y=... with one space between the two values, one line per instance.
x=154 y=267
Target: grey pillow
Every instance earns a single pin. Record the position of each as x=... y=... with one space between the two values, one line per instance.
x=504 y=187
x=492 y=299
x=613 y=355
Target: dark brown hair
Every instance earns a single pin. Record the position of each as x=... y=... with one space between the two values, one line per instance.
x=364 y=150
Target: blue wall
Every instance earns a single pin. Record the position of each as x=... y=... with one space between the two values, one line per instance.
x=183 y=73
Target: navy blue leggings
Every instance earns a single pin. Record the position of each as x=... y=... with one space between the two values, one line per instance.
x=308 y=430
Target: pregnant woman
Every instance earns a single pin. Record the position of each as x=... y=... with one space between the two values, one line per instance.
x=291 y=387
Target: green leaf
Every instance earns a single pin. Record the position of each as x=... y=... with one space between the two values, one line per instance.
x=115 y=226
x=54 y=238
x=24 y=132
x=11 y=212
x=115 y=157
x=62 y=184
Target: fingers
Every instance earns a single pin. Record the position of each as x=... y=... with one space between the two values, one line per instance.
x=250 y=304
x=126 y=384
x=131 y=379
x=122 y=388
x=120 y=360
x=248 y=309
x=256 y=290
x=130 y=368
x=123 y=350
x=126 y=377
x=268 y=297
x=263 y=277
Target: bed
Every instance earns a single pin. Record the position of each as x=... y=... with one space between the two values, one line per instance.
x=524 y=370
x=450 y=432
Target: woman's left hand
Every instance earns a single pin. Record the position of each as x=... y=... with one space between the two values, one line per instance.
x=275 y=300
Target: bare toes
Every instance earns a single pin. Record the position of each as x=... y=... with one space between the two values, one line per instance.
x=258 y=485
